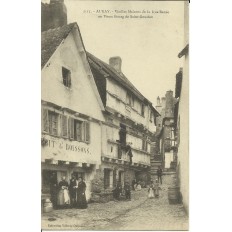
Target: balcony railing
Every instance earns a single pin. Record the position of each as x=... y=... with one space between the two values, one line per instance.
x=119 y=153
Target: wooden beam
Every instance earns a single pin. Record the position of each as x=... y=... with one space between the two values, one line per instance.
x=51 y=161
x=85 y=165
x=78 y=165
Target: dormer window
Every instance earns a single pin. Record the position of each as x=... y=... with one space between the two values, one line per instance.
x=66 y=77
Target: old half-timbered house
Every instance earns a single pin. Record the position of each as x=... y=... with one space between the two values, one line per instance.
x=71 y=109
x=129 y=125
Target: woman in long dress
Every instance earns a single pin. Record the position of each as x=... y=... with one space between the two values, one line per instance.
x=81 y=198
x=63 y=195
x=151 y=191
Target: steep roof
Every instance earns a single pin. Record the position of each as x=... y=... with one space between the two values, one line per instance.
x=107 y=70
x=51 y=39
x=120 y=77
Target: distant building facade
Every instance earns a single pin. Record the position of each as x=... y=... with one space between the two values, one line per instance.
x=165 y=131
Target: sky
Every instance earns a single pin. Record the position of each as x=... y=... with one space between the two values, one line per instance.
x=148 y=47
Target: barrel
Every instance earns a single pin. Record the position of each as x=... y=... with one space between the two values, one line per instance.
x=174 y=195
x=47 y=206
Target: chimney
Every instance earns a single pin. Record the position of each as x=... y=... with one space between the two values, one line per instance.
x=158 y=101
x=116 y=63
x=53 y=15
x=163 y=102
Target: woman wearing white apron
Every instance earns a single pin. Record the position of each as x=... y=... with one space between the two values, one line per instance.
x=63 y=195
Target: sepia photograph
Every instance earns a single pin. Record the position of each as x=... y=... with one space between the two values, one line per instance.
x=114 y=115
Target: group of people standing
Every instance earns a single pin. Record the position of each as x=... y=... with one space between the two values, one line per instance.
x=117 y=192
x=69 y=195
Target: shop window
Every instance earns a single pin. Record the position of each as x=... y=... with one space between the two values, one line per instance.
x=66 y=74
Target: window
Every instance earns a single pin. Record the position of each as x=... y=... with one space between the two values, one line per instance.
x=122 y=134
x=150 y=116
x=108 y=178
x=66 y=77
x=53 y=123
x=50 y=122
x=79 y=130
x=144 y=144
x=142 y=110
x=130 y=100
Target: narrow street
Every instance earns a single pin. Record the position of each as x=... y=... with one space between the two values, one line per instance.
x=140 y=213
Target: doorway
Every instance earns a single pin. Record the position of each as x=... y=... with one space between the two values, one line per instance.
x=48 y=177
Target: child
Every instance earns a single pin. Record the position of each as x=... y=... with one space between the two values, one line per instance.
x=151 y=190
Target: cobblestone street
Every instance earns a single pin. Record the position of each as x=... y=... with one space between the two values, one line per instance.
x=140 y=213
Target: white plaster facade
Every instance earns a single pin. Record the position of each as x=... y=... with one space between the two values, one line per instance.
x=81 y=102
x=183 y=122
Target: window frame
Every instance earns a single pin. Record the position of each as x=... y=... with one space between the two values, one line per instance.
x=84 y=133
x=52 y=115
x=66 y=76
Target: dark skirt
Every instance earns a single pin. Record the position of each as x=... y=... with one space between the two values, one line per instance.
x=81 y=202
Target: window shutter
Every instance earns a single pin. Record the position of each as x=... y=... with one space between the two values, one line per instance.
x=71 y=128
x=45 y=120
x=64 y=126
x=143 y=144
x=79 y=131
x=87 y=132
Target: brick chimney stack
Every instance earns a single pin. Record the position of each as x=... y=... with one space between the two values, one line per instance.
x=158 y=101
x=53 y=15
x=116 y=63
x=163 y=102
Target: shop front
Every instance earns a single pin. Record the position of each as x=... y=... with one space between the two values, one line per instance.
x=62 y=157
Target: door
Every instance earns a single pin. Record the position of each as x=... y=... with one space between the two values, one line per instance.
x=48 y=177
x=121 y=177
x=106 y=178
x=79 y=174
